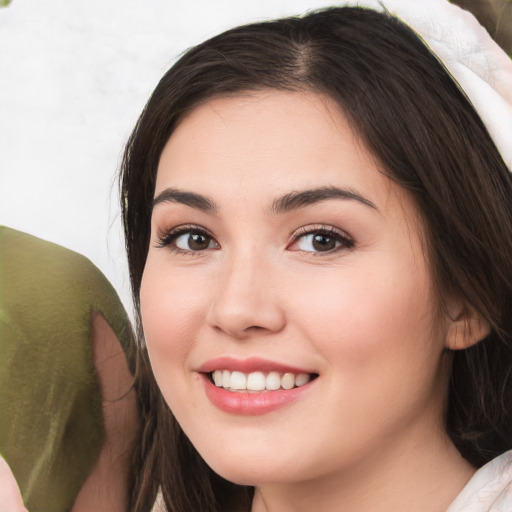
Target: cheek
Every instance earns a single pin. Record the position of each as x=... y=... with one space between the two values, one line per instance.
x=376 y=334
x=373 y=320
x=172 y=309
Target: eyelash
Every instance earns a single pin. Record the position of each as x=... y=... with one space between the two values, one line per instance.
x=167 y=238
x=343 y=239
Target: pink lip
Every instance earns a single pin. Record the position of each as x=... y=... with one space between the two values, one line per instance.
x=251 y=404
x=252 y=364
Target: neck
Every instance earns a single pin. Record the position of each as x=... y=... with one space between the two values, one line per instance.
x=423 y=476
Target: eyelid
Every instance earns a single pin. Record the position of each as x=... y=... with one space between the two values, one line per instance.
x=347 y=241
x=165 y=237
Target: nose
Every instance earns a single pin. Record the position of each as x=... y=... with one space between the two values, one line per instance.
x=246 y=301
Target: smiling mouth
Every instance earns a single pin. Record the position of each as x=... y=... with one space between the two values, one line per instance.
x=258 y=382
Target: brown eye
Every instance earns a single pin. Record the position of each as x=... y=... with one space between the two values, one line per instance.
x=318 y=242
x=187 y=239
x=321 y=240
x=191 y=241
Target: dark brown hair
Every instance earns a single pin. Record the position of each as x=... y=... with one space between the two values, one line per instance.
x=422 y=130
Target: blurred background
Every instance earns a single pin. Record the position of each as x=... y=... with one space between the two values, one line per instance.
x=74 y=76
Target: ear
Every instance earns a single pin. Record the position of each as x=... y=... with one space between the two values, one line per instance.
x=466 y=328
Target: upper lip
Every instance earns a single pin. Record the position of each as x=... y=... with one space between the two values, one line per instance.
x=248 y=365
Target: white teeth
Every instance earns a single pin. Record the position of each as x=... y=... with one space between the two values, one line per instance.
x=288 y=381
x=238 y=380
x=273 y=381
x=301 y=379
x=258 y=381
x=217 y=378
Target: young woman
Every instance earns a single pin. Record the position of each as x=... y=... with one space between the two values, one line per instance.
x=319 y=232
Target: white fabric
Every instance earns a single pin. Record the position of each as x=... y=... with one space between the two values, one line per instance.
x=490 y=489
x=478 y=64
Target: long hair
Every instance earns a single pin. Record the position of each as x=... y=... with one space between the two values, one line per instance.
x=423 y=131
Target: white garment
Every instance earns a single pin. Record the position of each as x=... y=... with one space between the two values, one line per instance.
x=489 y=490
x=480 y=67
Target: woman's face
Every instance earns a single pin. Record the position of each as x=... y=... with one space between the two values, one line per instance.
x=281 y=257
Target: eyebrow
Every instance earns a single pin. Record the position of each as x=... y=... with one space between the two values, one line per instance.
x=196 y=201
x=286 y=203
x=296 y=200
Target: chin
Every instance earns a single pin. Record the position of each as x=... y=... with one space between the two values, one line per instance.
x=254 y=467
x=240 y=474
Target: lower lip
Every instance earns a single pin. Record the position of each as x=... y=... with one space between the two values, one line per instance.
x=251 y=404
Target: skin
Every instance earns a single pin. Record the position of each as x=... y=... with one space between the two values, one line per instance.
x=107 y=488
x=10 y=496
x=367 y=434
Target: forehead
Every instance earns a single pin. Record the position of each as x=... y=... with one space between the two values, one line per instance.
x=264 y=144
x=267 y=132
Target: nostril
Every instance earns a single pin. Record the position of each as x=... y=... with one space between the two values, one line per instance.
x=245 y=311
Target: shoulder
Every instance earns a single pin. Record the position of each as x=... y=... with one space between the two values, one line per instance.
x=489 y=490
